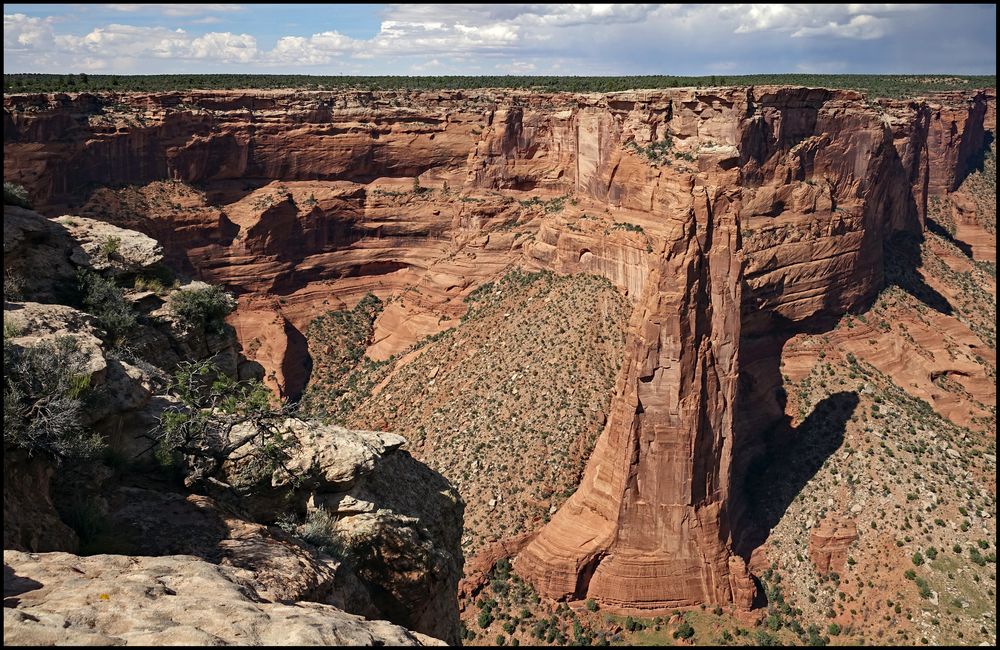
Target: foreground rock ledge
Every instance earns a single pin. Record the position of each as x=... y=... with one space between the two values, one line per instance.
x=64 y=599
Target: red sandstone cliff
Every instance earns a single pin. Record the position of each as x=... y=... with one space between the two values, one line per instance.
x=767 y=211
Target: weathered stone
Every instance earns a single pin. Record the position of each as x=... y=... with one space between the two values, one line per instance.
x=105 y=247
x=62 y=599
x=30 y=520
x=829 y=541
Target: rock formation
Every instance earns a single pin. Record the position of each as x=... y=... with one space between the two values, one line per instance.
x=732 y=218
x=828 y=544
x=370 y=530
x=63 y=599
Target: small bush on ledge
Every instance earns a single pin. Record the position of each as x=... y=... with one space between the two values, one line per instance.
x=206 y=307
x=44 y=394
x=15 y=195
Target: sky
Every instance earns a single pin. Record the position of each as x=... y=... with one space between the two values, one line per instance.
x=499 y=39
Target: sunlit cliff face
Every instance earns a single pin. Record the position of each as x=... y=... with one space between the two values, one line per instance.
x=729 y=218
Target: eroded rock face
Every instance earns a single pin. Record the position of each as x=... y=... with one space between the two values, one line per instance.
x=829 y=542
x=35 y=255
x=400 y=522
x=730 y=217
x=62 y=599
x=104 y=247
x=29 y=516
x=647 y=527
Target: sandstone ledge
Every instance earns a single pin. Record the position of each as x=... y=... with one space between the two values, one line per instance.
x=63 y=599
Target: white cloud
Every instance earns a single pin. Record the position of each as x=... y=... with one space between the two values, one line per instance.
x=22 y=33
x=862 y=27
x=517 y=67
x=858 y=21
x=315 y=50
x=116 y=41
x=224 y=47
x=176 y=10
x=517 y=38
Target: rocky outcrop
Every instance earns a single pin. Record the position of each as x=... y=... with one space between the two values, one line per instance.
x=648 y=526
x=400 y=522
x=62 y=599
x=829 y=542
x=35 y=255
x=29 y=516
x=382 y=531
x=104 y=247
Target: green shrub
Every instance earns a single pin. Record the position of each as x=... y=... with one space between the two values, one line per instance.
x=762 y=638
x=684 y=631
x=629 y=227
x=103 y=299
x=10 y=330
x=214 y=417
x=320 y=531
x=814 y=637
x=206 y=307
x=156 y=279
x=15 y=195
x=13 y=286
x=89 y=523
x=110 y=246
x=43 y=400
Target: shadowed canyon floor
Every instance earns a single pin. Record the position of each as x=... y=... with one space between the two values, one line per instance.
x=681 y=352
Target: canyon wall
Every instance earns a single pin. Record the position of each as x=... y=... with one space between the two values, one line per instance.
x=731 y=217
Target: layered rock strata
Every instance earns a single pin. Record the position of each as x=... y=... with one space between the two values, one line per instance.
x=731 y=217
x=828 y=544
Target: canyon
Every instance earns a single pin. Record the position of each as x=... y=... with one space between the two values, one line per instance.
x=734 y=223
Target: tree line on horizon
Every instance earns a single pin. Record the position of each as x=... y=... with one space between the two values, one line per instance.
x=894 y=86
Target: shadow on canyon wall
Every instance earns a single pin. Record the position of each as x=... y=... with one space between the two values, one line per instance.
x=939 y=230
x=775 y=461
x=779 y=459
x=976 y=162
x=902 y=263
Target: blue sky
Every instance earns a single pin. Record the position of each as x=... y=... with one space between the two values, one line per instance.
x=500 y=39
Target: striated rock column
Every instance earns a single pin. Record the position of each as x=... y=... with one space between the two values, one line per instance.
x=648 y=527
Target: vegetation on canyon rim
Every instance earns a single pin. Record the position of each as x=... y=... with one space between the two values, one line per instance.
x=46 y=388
x=875 y=85
x=14 y=194
x=47 y=384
